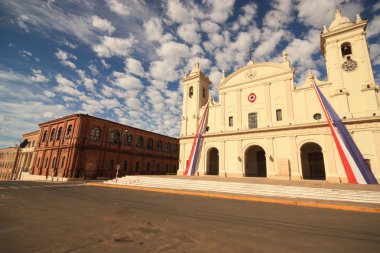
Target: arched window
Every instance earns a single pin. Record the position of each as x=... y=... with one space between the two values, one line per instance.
x=112 y=162
x=115 y=136
x=168 y=147
x=150 y=144
x=191 y=91
x=346 y=49
x=204 y=92
x=44 y=136
x=125 y=165
x=95 y=134
x=140 y=142
x=128 y=139
x=63 y=162
x=54 y=162
x=52 y=134
x=159 y=145
x=69 y=130
x=175 y=148
x=59 y=133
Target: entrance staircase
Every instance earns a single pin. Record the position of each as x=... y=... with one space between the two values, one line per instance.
x=250 y=189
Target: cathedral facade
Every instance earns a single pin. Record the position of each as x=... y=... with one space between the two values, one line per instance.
x=265 y=126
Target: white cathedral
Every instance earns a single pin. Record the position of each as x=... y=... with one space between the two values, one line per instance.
x=264 y=126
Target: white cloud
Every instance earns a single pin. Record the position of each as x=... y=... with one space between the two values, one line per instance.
x=373 y=28
x=66 y=86
x=318 y=13
x=94 y=69
x=189 y=32
x=269 y=40
x=376 y=7
x=163 y=71
x=25 y=53
x=21 y=21
x=64 y=58
x=155 y=32
x=374 y=50
x=118 y=7
x=13 y=76
x=102 y=24
x=49 y=94
x=105 y=64
x=126 y=81
x=135 y=67
x=111 y=46
x=220 y=10
x=280 y=16
x=70 y=45
x=177 y=12
x=38 y=77
x=172 y=52
x=86 y=81
x=300 y=51
x=210 y=27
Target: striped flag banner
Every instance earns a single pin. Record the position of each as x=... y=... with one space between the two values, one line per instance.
x=191 y=163
x=355 y=166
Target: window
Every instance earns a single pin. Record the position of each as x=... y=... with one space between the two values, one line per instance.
x=279 y=115
x=252 y=120
x=38 y=162
x=115 y=136
x=46 y=162
x=191 y=91
x=59 y=133
x=54 y=162
x=159 y=145
x=168 y=147
x=175 y=148
x=128 y=139
x=158 y=167
x=63 y=162
x=95 y=134
x=125 y=165
x=230 y=121
x=112 y=163
x=140 y=142
x=346 y=49
x=148 y=167
x=44 y=136
x=33 y=144
x=150 y=144
x=137 y=166
x=204 y=92
x=317 y=116
x=69 y=130
x=167 y=168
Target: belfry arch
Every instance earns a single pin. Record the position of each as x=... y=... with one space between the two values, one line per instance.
x=212 y=162
x=313 y=166
x=255 y=162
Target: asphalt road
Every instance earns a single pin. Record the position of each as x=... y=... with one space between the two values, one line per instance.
x=67 y=217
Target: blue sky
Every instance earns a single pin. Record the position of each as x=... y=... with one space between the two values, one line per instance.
x=122 y=60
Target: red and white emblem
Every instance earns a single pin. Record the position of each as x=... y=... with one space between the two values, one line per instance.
x=252 y=97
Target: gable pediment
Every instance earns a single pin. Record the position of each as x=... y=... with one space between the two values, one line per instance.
x=255 y=72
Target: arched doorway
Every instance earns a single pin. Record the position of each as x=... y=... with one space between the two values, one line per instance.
x=255 y=162
x=312 y=163
x=213 y=162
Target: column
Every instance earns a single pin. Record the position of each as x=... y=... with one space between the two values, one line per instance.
x=268 y=106
x=239 y=108
x=223 y=112
x=295 y=160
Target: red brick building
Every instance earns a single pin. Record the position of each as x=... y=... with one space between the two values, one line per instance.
x=83 y=146
x=8 y=160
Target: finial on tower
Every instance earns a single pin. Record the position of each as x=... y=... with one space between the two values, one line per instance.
x=311 y=76
x=325 y=30
x=284 y=56
x=223 y=74
x=358 y=18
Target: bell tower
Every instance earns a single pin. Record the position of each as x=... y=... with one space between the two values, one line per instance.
x=353 y=91
x=195 y=95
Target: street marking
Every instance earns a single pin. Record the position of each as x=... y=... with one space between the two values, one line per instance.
x=246 y=198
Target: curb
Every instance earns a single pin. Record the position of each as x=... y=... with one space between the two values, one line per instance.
x=246 y=198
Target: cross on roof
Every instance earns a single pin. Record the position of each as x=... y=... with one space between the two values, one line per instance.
x=250 y=52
